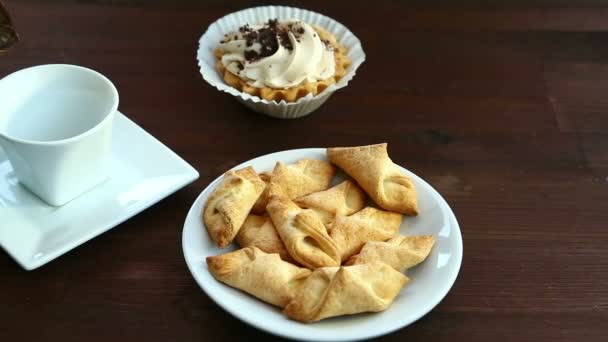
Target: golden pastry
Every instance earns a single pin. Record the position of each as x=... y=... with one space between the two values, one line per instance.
x=346 y=290
x=343 y=199
x=350 y=233
x=400 y=252
x=376 y=173
x=260 y=205
x=300 y=178
x=303 y=234
x=260 y=274
x=281 y=60
x=230 y=203
x=258 y=231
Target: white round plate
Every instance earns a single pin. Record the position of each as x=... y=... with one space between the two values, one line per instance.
x=430 y=281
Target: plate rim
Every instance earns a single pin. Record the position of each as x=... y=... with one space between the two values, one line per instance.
x=189 y=174
x=376 y=333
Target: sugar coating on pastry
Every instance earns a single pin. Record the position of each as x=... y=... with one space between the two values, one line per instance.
x=229 y=204
x=265 y=276
x=281 y=60
x=376 y=173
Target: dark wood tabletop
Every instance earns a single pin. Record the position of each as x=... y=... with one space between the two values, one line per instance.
x=502 y=108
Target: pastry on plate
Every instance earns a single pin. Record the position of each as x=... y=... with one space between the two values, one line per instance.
x=401 y=252
x=260 y=205
x=258 y=231
x=346 y=290
x=350 y=233
x=343 y=199
x=300 y=178
x=303 y=234
x=230 y=203
x=376 y=173
x=281 y=60
x=265 y=276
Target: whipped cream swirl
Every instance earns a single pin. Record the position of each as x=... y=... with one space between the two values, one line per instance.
x=278 y=55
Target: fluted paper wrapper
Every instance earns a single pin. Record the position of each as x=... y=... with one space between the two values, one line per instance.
x=257 y=15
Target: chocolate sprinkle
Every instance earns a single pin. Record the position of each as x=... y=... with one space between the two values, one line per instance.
x=251 y=55
x=284 y=39
x=268 y=37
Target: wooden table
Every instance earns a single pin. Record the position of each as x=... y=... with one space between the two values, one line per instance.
x=503 y=109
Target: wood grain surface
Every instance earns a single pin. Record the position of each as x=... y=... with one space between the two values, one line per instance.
x=501 y=107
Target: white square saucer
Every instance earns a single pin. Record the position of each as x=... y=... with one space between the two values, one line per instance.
x=143 y=172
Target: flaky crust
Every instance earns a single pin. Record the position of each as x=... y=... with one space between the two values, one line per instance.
x=300 y=178
x=303 y=234
x=294 y=93
x=401 y=252
x=260 y=205
x=260 y=274
x=376 y=173
x=350 y=233
x=230 y=203
x=343 y=199
x=258 y=231
x=335 y=291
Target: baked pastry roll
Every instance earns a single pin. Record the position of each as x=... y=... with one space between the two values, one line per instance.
x=258 y=231
x=303 y=234
x=343 y=199
x=335 y=291
x=260 y=274
x=301 y=178
x=230 y=203
x=350 y=233
x=376 y=173
x=400 y=252
x=260 y=205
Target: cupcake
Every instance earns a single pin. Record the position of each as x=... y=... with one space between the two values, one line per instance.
x=281 y=61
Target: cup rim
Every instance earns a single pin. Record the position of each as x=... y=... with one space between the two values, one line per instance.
x=78 y=137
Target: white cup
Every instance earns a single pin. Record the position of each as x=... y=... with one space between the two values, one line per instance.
x=56 y=129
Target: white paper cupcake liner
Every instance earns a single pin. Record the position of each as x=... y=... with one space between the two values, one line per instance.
x=305 y=105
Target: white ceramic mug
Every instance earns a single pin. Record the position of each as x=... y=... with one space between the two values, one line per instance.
x=56 y=128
